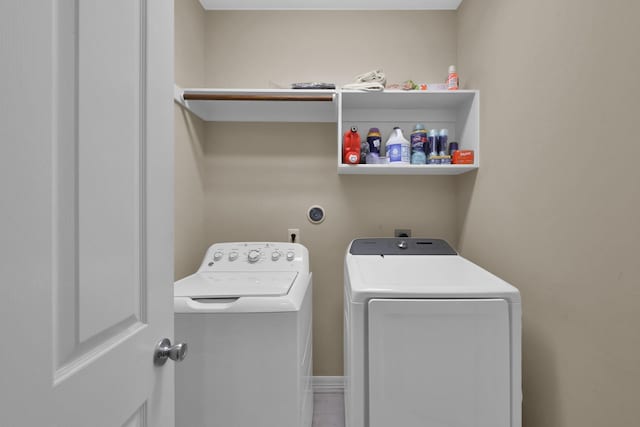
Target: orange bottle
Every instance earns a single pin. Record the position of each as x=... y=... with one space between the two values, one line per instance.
x=351 y=147
x=452 y=79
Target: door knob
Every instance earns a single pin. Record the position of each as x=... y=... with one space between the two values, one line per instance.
x=164 y=350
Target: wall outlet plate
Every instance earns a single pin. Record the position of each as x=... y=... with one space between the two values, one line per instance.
x=402 y=232
x=293 y=235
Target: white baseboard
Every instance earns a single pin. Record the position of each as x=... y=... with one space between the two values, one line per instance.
x=326 y=384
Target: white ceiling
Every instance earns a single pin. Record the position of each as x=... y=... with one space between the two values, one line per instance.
x=330 y=4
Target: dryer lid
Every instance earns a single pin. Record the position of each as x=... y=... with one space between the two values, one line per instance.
x=422 y=277
x=235 y=284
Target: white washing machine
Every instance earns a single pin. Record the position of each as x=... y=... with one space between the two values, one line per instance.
x=246 y=316
x=431 y=339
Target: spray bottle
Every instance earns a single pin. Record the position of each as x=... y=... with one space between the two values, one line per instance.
x=452 y=79
x=418 y=143
x=432 y=147
x=443 y=137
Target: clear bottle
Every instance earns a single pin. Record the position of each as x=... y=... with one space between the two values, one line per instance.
x=398 y=148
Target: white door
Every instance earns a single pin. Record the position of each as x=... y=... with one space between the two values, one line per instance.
x=439 y=363
x=86 y=212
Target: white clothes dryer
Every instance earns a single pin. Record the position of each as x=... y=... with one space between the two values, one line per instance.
x=246 y=316
x=431 y=339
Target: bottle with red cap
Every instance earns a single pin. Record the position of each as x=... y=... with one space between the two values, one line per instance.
x=351 y=147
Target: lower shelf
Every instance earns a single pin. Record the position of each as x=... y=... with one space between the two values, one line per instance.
x=404 y=169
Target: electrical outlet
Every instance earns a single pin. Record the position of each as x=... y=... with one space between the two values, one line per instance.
x=294 y=235
x=402 y=232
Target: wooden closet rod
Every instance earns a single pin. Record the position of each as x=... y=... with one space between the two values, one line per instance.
x=247 y=97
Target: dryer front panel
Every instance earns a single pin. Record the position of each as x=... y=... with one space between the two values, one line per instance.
x=439 y=363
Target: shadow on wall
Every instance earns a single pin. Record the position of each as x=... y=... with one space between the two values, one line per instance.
x=539 y=364
x=196 y=137
x=190 y=173
x=375 y=205
x=537 y=355
x=464 y=190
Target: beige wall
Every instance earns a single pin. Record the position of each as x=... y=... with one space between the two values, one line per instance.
x=189 y=136
x=554 y=209
x=255 y=49
x=261 y=178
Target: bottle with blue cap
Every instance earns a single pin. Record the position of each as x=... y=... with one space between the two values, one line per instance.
x=418 y=142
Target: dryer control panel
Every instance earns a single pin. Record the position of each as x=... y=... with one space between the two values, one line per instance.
x=400 y=246
x=256 y=256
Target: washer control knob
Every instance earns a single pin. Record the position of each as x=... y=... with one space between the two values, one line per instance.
x=217 y=255
x=254 y=255
x=233 y=255
x=275 y=256
x=290 y=255
x=402 y=244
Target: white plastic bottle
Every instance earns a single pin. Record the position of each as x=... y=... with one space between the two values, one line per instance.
x=398 y=148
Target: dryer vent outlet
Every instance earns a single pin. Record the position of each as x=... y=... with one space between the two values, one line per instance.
x=402 y=232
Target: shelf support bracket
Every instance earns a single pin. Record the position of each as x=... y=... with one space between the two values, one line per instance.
x=178 y=95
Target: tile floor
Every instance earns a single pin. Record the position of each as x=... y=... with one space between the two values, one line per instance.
x=328 y=410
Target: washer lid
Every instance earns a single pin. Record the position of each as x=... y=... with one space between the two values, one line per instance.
x=235 y=284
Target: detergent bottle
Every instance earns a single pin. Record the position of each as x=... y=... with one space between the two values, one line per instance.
x=374 y=140
x=398 y=148
x=351 y=147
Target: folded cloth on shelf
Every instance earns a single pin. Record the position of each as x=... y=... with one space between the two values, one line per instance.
x=371 y=81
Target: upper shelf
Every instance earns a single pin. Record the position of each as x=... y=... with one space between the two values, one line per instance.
x=402 y=99
x=260 y=105
x=456 y=111
x=331 y=5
